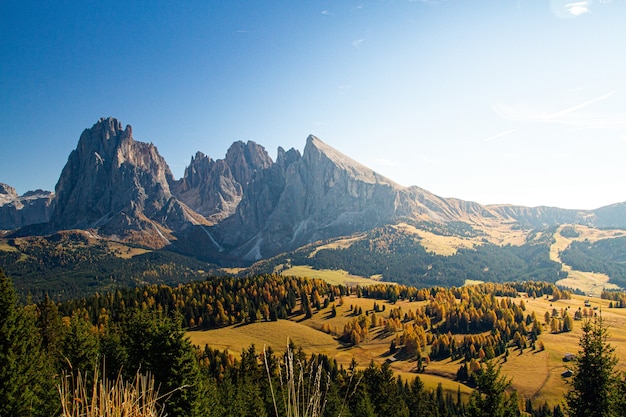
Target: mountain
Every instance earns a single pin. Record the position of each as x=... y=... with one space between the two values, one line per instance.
x=247 y=207
x=31 y=208
x=120 y=187
x=215 y=188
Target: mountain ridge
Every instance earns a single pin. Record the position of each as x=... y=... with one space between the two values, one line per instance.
x=247 y=207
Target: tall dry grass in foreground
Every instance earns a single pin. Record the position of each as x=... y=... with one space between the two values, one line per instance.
x=105 y=398
x=302 y=396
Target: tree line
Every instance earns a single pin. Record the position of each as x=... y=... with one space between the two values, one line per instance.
x=41 y=344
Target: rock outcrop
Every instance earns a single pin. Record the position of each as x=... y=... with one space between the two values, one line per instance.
x=302 y=199
x=33 y=207
x=215 y=188
x=120 y=187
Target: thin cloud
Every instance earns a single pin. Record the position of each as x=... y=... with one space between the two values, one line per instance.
x=578 y=8
x=580 y=106
x=428 y=159
x=499 y=135
x=325 y=12
x=525 y=113
x=357 y=43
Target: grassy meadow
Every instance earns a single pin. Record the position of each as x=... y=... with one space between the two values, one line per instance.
x=332 y=276
x=534 y=374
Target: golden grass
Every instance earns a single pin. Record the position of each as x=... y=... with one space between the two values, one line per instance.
x=4 y=246
x=590 y=283
x=332 y=276
x=535 y=374
x=273 y=333
x=438 y=244
x=233 y=271
x=125 y=252
x=338 y=244
x=300 y=398
x=472 y=282
x=105 y=398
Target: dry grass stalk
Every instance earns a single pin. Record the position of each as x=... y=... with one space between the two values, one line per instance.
x=105 y=398
x=300 y=398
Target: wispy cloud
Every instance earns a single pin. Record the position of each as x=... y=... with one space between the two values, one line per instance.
x=499 y=135
x=580 y=106
x=357 y=43
x=325 y=12
x=578 y=8
x=568 y=116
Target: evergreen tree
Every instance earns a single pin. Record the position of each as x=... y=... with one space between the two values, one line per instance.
x=594 y=384
x=158 y=345
x=25 y=378
x=80 y=346
x=490 y=399
x=52 y=331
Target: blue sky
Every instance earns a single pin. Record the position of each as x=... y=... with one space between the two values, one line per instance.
x=494 y=101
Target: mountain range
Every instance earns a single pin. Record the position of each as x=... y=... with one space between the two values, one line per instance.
x=247 y=207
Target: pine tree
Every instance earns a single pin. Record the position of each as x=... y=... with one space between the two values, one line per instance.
x=158 y=345
x=490 y=399
x=80 y=346
x=594 y=384
x=52 y=331
x=25 y=378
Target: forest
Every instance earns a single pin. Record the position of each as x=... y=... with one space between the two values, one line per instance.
x=605 y=256
x=399 y=257
x=141 y=331
x=67 y=265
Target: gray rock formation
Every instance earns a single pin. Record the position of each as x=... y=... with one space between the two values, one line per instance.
x=33 y=207
x=322 y=194
x=215 y=188
x=119 y=186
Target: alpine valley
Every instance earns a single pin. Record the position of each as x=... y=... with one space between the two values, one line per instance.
x=118 y=217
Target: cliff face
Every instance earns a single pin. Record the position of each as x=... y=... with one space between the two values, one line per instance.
x=301 y=199
x=215 y=188
x=119 y=186
x=18 y=211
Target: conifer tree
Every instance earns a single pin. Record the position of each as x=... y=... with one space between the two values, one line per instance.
x=594 y=384
x=490 y=399
x=158 y=345
x=80 y=346
x=25 y=379
x=52 y=331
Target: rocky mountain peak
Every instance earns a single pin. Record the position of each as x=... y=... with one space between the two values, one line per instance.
x=285 y=158
x=116 y=184
x=215 y=188
x=317 y=151
x=18 y=211
x=245 y=159
x=7 y=193
x=199 y=168
x=245 y=206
